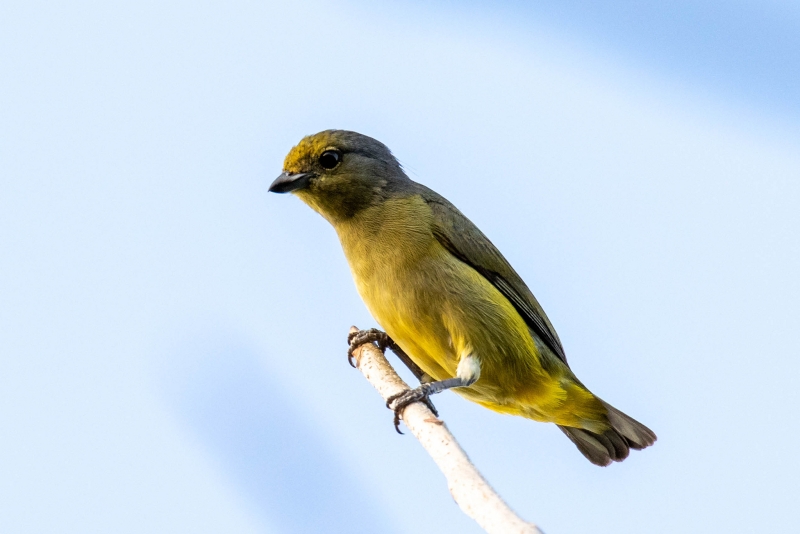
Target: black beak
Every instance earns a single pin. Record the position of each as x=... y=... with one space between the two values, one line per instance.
x=286 y=182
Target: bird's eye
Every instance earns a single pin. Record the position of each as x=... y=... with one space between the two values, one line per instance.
x=329 y=159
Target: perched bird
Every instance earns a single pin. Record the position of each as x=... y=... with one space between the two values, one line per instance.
x=446 y=296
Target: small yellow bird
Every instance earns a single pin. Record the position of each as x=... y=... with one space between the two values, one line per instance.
x=446 y=296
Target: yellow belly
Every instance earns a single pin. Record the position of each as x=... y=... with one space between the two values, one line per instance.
x=439 y=309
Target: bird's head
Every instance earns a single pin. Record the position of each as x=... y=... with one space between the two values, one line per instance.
x=339 y=173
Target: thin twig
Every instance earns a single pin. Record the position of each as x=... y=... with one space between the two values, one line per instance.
x=470 y=490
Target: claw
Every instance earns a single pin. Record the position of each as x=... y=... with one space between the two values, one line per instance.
x=429 y=403
x=373 y=335
x=397 y=423
x=404 y=398
x=410 y=396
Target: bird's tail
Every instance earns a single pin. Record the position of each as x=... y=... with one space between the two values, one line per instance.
x=614 y=444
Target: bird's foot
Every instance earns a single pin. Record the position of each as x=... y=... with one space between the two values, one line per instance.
x=398 y=402
x=373 y=335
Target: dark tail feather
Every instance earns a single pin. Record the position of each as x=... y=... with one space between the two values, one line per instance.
x=614 y=444
x=637 y=435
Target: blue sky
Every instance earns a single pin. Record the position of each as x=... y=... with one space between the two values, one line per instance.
x=748 y=51
x=174 y=336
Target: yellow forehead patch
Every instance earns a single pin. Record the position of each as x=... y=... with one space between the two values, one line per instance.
x=302 y=156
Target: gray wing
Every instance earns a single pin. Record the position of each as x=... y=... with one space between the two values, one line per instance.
x=466 y=242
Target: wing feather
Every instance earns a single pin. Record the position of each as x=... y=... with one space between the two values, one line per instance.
x=466 y=242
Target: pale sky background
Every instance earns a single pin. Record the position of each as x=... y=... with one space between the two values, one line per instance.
x=172 y=337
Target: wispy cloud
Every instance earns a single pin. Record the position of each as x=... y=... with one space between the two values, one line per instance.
x=248 y=422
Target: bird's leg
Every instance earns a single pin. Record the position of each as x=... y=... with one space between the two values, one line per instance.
x=422 y=376
x=468 y=371
x=373 y=335
x=415 y=369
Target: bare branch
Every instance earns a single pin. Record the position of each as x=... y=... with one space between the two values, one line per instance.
x=470 y=490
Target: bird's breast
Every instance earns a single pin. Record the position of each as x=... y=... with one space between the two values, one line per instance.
x=400 y=269
x=434 y=305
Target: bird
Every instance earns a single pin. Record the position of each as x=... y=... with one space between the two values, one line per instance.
x=446 y=296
